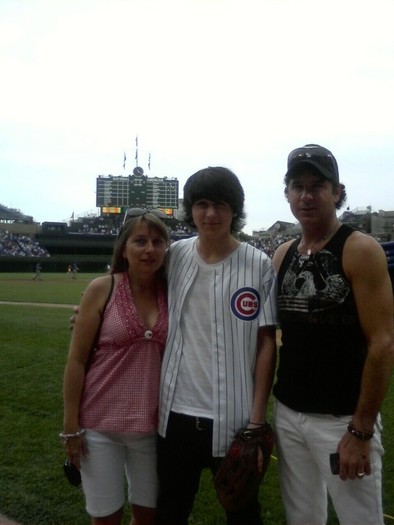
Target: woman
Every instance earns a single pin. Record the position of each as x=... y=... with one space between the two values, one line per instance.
x=111 y=393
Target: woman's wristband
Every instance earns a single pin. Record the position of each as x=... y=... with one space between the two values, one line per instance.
x=66 y=437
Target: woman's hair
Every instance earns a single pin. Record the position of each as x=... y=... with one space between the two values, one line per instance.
x=216 y=184
x=119 y=263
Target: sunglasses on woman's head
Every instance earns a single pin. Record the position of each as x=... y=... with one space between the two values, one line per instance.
x=139 y=212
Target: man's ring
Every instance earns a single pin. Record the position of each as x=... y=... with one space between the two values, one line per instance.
x=360 y=474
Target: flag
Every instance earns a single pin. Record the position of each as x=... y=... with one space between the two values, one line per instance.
x=124 y=160
x=149 y=162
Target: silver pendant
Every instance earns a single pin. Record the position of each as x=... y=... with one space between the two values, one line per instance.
x=303 y=258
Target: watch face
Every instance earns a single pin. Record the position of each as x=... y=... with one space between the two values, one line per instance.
x=138 y=171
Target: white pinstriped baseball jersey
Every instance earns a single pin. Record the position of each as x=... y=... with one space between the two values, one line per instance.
x=243 y=295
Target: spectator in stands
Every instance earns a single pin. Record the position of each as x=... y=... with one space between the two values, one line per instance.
x=111 y=394
x=336 y=315
x=18 y=245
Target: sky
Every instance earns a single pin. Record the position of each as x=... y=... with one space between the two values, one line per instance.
x=235 y=83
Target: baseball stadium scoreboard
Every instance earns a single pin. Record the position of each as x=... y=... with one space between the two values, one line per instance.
x=114 y=194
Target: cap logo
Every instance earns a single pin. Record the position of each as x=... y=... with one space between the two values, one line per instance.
x=245 y=304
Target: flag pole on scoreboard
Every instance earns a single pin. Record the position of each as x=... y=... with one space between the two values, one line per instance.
x=136 y=150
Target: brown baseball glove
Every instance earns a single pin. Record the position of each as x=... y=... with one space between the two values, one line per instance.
x=238 y=476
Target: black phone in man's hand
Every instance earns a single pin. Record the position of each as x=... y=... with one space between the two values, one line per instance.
x=334 y=463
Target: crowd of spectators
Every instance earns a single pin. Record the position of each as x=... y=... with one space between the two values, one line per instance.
x=23 y=245
x=18 y=245
x=178 y=230
x=95 y=227
x=269 y=245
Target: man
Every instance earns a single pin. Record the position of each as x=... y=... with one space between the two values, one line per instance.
x=38 y=272
x=336 y=314
x=220 y=356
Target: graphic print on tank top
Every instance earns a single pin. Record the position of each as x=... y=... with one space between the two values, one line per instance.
x=314 y=285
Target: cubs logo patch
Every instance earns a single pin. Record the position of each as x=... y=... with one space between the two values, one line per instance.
x=245 y=304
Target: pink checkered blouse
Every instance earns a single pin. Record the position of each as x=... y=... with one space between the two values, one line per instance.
x=121 y=390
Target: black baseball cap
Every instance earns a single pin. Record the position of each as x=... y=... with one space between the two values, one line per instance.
x=316 y=156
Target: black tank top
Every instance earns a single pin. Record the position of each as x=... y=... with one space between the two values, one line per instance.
x=323 y=348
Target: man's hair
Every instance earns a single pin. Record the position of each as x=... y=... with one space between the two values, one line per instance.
x=216 y=184
x=300 y=169
x=320 y=161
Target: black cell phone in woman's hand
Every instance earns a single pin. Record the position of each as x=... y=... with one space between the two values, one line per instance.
x=334 y=463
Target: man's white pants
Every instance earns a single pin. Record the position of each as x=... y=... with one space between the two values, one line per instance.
x=304 y=443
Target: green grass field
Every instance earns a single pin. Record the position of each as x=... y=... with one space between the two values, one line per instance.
x=34 y=342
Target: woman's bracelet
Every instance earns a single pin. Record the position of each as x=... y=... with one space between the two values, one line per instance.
x=257 y=424
x=66 y=437
x=359 y=434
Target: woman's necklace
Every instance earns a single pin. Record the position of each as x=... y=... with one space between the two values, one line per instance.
x=306 y=256
x=135 y=291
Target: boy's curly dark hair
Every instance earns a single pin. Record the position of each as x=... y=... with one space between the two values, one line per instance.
x=217 y=184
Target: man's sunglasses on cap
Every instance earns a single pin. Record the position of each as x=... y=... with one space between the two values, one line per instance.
x=317 y=156
x=312 y=153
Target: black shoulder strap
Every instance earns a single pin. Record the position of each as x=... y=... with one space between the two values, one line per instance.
x=109 y=297
x=102 y=314
x=286 y=259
